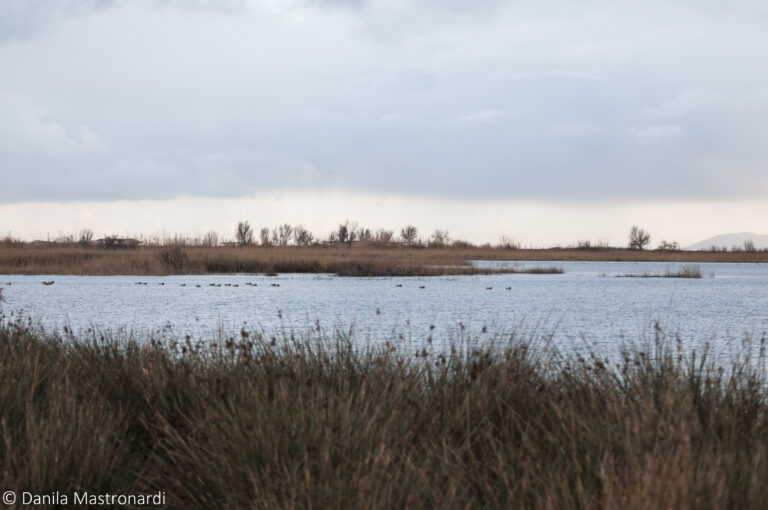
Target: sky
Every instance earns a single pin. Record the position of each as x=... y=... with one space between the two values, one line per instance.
x=547 y=121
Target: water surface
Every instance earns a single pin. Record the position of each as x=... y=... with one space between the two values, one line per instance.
x=588 y=303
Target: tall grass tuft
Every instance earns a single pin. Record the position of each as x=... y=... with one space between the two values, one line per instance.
x=174 y=260
x=687 y=271
x=299 y=421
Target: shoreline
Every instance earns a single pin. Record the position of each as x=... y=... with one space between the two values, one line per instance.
x=343 y=260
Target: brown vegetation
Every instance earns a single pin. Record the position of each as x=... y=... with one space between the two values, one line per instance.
x=360 y=259
x=263 y=422
x=355 y=259
x=687 y=271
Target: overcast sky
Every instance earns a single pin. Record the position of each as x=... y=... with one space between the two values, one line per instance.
x=550 y=101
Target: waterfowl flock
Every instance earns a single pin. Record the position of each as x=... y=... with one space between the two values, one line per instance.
x=248 y=284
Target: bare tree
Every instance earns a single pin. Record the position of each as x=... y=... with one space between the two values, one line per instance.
x=638 y=238
x=409 y=234
x=244 y=234
x=342 y=233
x=749 y=245
x=264 y=235
x=384 y=236
x=86 y=236
x=302 y=236
x=347 y=232
x=284 y=232
x=211 y=238
x=439 y=238
x=508 y=242
x=364 y=234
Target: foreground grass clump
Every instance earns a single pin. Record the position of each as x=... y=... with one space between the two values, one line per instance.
x=262 y=422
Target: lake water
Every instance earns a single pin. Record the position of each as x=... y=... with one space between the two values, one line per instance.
x=589 y=303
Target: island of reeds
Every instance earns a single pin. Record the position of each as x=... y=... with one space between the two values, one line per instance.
x=312 y=421
x=686 y=271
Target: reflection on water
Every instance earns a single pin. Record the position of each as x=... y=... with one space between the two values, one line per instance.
x=587 y=303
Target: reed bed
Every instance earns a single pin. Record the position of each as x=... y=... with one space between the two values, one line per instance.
x=312 y=421
x=359 y=259
x=686 y=271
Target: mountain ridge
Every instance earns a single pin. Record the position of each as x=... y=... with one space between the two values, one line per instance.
x=730 y=240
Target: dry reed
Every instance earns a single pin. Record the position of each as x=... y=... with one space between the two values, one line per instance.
x=356 y=260
x=360 y=259
x=686 y=271
x=263 y=422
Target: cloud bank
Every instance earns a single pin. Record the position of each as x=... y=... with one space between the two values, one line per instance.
x=551 y=100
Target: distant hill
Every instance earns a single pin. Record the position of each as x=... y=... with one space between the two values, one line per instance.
x=729 y=240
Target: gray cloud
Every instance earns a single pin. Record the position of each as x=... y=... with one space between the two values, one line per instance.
x=107 y=100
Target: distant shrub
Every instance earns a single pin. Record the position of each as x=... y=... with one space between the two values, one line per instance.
x=439 y=238
x=460 y=243
x=384 y=236
x=508 y=243
x=669 y=246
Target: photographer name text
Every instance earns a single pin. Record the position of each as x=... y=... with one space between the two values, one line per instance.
x=84 y=498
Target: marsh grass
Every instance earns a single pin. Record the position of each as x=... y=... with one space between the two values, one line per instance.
x=365 y=259
x=359 y=259
x=686 y=271
x=311 y=421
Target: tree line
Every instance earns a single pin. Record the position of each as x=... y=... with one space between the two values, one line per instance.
x=346 y=233
x=350 y=232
